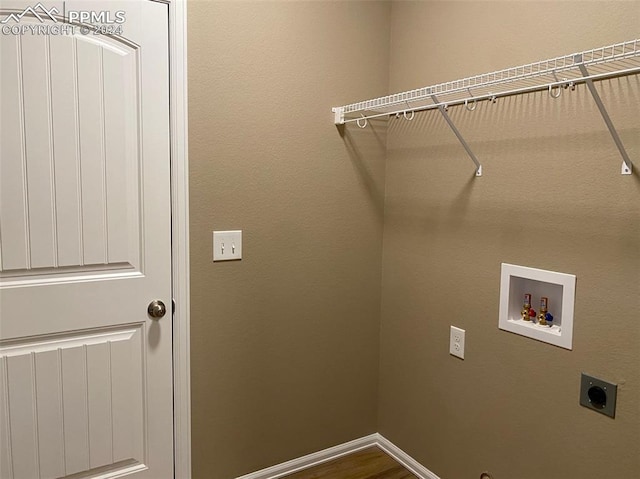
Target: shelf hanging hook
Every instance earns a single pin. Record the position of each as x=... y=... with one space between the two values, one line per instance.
x=470 y=108
x=404 y=113
x=557 y=95
x=362 y=125
x=466 y=102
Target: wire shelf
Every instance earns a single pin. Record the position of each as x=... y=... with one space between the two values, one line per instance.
x=566 y=71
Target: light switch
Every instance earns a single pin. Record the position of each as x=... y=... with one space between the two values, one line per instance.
x=227 y=245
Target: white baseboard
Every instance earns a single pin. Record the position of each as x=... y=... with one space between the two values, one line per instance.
x=405 y=459
x=310 y=460
x=314 y=459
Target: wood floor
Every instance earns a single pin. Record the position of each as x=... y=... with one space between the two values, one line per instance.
x=370 y=463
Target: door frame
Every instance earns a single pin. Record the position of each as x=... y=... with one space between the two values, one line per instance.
x=180 y=236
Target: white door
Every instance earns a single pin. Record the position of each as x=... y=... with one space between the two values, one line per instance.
x=85 y=244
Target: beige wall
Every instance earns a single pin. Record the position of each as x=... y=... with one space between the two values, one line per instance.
x=551 y=197
x=285 y=342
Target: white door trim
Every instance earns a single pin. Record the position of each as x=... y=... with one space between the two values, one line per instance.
x=180 y=237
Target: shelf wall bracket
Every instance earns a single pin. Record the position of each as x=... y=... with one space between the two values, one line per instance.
x=627 y=166
x=455 y=130
x=338 y=115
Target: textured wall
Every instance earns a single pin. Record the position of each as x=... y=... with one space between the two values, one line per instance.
x=551 y=197
x=285 y=342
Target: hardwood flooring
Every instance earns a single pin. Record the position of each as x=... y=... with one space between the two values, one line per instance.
x=370 y=463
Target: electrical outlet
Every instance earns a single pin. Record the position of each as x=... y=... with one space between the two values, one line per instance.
x=598 y=395
x=456 y=342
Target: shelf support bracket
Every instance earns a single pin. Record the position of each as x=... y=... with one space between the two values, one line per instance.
x=455 y=130
x=338 y=115
x=627 y=166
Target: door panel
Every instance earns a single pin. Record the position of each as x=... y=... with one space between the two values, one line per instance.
x=85 y=245
x=77 y=159
x=13 y=220
x=77 y=400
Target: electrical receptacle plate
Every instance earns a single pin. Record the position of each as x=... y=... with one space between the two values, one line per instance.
x=598 y=395
x=456 y=342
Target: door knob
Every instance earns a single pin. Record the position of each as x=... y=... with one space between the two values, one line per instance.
x=156 y=309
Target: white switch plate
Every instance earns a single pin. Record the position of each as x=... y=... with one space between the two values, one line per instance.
x=456 y=342
x=227 y=245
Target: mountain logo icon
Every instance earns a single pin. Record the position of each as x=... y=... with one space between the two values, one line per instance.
x=38 y=11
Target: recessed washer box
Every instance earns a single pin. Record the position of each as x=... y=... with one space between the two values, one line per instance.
x=559 y=288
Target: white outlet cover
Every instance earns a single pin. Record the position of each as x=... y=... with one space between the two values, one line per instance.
x=456 y=342
x=227 y=245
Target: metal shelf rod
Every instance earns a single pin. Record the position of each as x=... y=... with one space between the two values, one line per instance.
x=616 y=54
x=502 y=94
